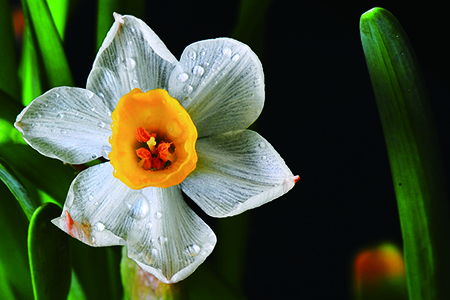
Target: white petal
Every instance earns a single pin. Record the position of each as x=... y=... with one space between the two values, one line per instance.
x=220 y=83
x=236 y=172
x=163 y=235
x=132 y=56
x=70 y=124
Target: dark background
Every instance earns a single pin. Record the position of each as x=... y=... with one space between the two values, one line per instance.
x=321 y=116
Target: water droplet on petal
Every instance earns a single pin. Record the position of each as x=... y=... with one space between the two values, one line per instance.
x=203 y=52
x=151 y=256
x=101 y=95
x=192 y=54
x=99 y=226
x=226 y=51
x=138 y=206
x=56 y=95
x=193 y=250
x=198 y=71
x=262 y=145
x=89 y=94
x=60 y=116
x=235 y=57
x=63 y=131
x=148 y=226
x=93 y=156
x=188 y=89
x=129 y=64
x=100 y=125
x=183 y=77
x=106 y=149
x=129 y=43
x=162 y=240
x=92 y=109
x=158 y=215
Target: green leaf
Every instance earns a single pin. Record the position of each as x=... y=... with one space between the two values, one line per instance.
x=9 y=81
x=29 y=69
x=59 y=10
x=15 y=280
x=48 y=251
x=414 y=153
x=17 y=189
x=98 y=270
x=250 y=25
x=47 y=41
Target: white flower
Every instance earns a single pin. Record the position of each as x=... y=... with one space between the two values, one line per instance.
x=223 y=167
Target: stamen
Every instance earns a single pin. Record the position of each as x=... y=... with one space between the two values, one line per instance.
x=146 y=158
x=163 y=152
x=142 y=135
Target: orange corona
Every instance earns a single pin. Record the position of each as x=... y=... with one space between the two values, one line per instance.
x=153 y=140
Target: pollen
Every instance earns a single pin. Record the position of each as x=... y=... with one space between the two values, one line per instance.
x=153 y=140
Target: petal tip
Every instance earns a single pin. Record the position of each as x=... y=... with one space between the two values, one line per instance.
x=118 y=18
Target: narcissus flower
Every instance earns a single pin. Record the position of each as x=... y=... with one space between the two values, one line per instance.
x=163 y=126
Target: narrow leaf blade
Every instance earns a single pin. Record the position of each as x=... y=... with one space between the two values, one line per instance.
x=414 y=153
x=48 y=250
x=17 y=189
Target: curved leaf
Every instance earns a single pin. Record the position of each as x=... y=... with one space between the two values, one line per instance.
x=17 y=189
x=48 y=250
x=414 y=154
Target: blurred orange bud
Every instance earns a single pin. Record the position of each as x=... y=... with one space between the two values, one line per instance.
x=379 y=273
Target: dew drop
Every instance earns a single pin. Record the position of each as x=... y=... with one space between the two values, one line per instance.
x=203 y=52
x=193 y=250
x=162 y=240
x=148 y=226
x=93 y=156
x=101 y=95
x=92 y=238
x=235 y=57
x=89 y=94
x=129 y=64
x=138 y=207
x=56 y=95
x=100 y=125
x=99 y=226
x=262 y=145
x=226 y=51
x=158 y=215
x=198 y=70
x=92 y=109
x=188 y=89
x=106 y=149
x=129 y=43
x=192 y=54
x=60 y=116
x=151 y=256
x=63 y=131
x=183 y=77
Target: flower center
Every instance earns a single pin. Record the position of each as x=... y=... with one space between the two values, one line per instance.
x=153 y=140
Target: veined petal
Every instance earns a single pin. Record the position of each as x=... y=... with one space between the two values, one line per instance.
x=235 y=172
x=163 y=235
x=220 y=83
x=70 y=124
x=132 y=56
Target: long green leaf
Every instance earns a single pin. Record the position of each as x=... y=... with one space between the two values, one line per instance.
x=414 y=154
x=17 y=189
x=15 y=280
x=48 y=251
x=59 y=10
x=48 y=42
x=9 y=81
